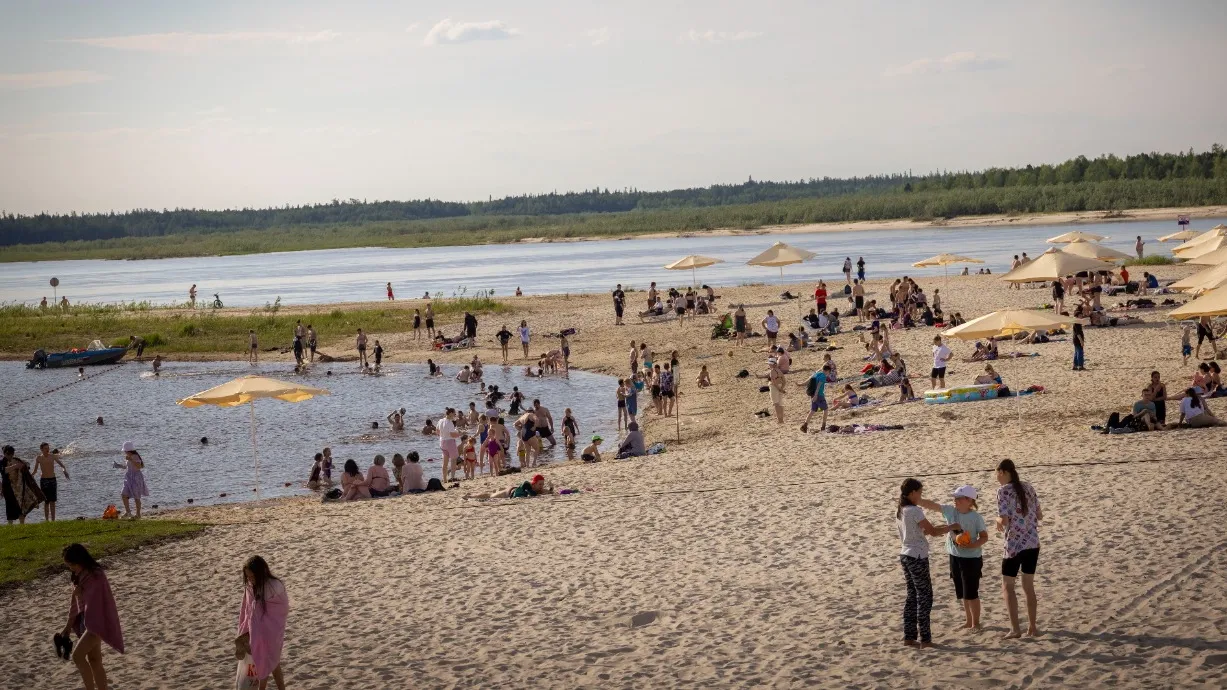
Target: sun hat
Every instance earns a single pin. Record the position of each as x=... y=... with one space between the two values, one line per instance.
x=129 y=447
x=965 y=491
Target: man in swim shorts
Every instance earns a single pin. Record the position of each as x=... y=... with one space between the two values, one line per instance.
x=46 y=462
x=545 y=422
x=361 y=343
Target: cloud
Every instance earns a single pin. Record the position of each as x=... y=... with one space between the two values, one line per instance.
x=448 y=31
x=49 y=80
x=188 y=43
x=711 y=36
x=964 y=61
x=598 y=37
x=412 y=27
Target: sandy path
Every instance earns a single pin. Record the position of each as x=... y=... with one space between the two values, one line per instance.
x=751 y=554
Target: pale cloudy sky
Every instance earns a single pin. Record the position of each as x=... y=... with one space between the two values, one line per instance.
x=125 y=103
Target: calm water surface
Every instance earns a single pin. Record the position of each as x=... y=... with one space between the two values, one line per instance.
x=138 y=407
x=347 y=275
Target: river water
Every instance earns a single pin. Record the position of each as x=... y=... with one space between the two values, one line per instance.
x=52 y=406
x=349 y=275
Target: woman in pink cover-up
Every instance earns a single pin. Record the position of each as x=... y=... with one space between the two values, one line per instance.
x=92 y=616
x=262 y=621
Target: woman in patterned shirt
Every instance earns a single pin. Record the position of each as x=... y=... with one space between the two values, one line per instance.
x=1018 y=516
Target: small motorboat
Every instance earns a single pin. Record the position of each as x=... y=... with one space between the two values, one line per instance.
x=96 y=353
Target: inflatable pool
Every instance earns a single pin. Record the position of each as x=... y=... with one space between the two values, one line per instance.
x=962 y=394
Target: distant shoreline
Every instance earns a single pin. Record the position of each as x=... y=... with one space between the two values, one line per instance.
x=279 y=241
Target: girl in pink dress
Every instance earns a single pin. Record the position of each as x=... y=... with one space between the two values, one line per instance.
x=134 y=479
x=262 y=619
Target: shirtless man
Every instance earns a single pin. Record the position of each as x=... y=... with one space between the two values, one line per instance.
x=652 y=296
x=545 y=422
x=858 y=300
x=464 y=375
x=300 y=332
x=191 y=295
x=361 y=343
x=46 y=462
x=397 y=419
x=430 y=320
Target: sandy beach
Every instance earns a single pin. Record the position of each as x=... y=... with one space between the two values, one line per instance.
x=749 y=554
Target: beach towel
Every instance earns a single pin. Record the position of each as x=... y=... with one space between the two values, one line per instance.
x=26 y=490
x=264 y=623
x=93 y=609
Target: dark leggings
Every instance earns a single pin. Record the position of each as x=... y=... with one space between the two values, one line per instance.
x=966 y=575
x=919 y=598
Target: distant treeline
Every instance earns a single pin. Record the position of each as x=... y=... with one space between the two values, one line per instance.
x=1080 y=184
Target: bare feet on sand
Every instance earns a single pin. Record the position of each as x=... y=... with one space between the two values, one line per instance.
x=1013 y=634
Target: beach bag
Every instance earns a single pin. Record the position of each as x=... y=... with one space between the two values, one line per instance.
x=110 y=513
x=245 y=676
x=434 y=485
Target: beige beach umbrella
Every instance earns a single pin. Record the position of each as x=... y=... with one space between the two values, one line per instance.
x=781 y=255
x=1008 y=322
x=945 y=261
x=1213 y=303
x=1204 y=253
x=1203 y=280
x=245 y=391
x=1182 y=236
x=1210 y=258
x=1192 y=245
x=1052 y=265
x=1092 y=250
x=692 y=262
x=1076 y=236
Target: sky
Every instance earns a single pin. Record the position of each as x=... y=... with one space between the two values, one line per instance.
x=114 y=105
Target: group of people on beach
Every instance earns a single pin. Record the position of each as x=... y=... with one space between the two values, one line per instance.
x=965 y=533
x=22 y=494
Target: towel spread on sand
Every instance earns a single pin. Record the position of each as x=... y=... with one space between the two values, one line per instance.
x=93 y=609
x=264 y=623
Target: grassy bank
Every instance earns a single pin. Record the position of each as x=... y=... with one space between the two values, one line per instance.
x=1111 y=195
x=29 y=551
x=174 y=330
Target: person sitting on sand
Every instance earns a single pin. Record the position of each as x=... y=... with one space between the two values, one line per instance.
x=412 y=479
x=592 y=452
x=1194 y=413
x=906 y=392
x=633 y=445
x=704 y=378
x=353 y=486
x=535 y=487
x=847 y=400
x=377 y=479
x=429 y=428
x=989 y=376
x=978 y=355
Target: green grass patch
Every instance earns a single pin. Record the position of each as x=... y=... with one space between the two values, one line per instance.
x=31 y=551
x=1152 y=260
x=26 y=329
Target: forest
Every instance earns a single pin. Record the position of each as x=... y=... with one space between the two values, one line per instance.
x=1147 y=180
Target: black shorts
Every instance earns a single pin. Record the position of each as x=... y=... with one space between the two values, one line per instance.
x=1026 y=560
x=362 y=348
x=938 y=373
x=545 y=433
x=430 y=323
x=1203 y=333
x=860 y=302
x=311 y=345
x=50 y=487
x=966 y=575
x=667 y=394
x=618 y=310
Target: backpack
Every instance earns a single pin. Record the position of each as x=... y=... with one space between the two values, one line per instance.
x=811 y=386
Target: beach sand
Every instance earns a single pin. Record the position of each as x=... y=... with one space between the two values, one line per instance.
x=748 y=554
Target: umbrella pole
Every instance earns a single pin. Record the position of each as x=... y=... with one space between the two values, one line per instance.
x=255 y=456
x=694 y=280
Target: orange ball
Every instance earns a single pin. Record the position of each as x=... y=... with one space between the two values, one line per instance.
x=963 y=539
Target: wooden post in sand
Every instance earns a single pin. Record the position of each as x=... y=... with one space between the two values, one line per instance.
x=677 y=418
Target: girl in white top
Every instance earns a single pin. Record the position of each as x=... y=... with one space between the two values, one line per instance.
x=524 y=337
x=914 y=528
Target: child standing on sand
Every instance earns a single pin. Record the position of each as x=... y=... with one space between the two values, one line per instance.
x=470 y=456
x=621 y=395
x=914 y=557
x=966 y=558
x=1186 y=343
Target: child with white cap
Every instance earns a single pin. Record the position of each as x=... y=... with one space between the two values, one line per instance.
x=966 y=559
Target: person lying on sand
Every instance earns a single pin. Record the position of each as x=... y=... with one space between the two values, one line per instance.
x=536 y=487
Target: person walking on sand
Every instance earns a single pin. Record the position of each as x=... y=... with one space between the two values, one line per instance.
x=360 y=341
x=504 y=337
x=134 y=479
x=775 y=383
x=1018 y=517
x=448 y=448
x=739 y=325
x=1079 y=339
x=525 y=336
x=417 y=324
x=815 y=387
x=430 y=320
x=253 y=348
x=619 y=301
x=92 y=614
x=1137 y=246
x=914 y=529
x=191 y=296
x=941 y=356
x=45 y=463
x=860 y=268
x=847 y=270
x=771 y=326
x=1205 y=331
x=391 y=297
x=262 y=621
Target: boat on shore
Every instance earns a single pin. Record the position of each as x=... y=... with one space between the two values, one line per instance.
x=96 y=353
